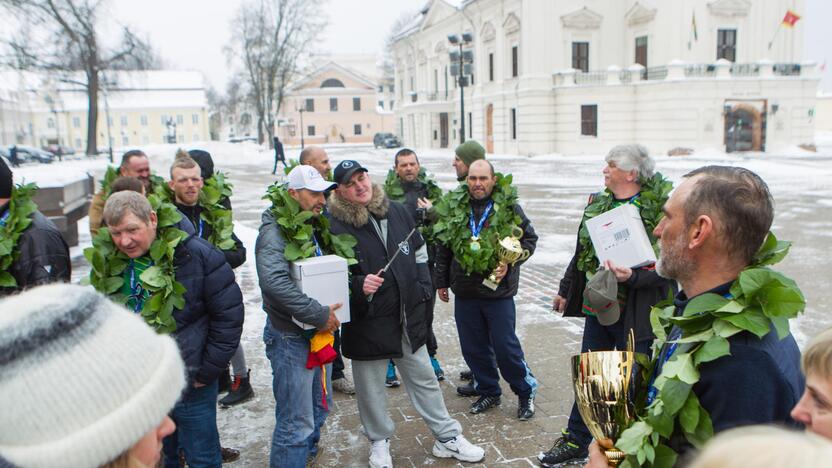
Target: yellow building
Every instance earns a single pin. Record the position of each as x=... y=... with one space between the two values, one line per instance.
x=134 y=108
x=333 y=104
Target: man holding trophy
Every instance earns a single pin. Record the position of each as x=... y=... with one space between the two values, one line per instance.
x=483 y=236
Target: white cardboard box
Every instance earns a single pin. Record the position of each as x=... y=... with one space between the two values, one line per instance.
x=619 y=235
x=324 y=279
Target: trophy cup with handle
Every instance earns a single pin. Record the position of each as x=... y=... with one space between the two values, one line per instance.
x=606 y=384
x=509 y=252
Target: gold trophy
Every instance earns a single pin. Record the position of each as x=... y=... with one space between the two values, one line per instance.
x=606 y=383
x=509 y=252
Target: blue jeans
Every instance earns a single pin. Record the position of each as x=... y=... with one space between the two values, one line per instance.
x=598 y=337
x=298 y=410
x=195 y=415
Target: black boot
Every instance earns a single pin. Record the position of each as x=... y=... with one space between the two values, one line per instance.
x=241 y=391
x=467 y=390
x=224 y=381
x=485 y=403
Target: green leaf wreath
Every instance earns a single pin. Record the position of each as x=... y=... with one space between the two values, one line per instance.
x=109 y=264
x=394 y=190
x=214 y=191
x=653 y=195
x=287 y=167
x=453 y=231
x=157 y=184
x=20 y=209
x=297 y=227
x=760 y=298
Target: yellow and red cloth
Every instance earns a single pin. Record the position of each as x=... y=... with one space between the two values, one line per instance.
x=321 y=353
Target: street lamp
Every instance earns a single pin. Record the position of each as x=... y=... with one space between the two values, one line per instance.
x=462 y=65
x=300 y=110
x=54 y=111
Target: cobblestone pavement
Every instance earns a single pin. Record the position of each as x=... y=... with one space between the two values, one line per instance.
x=552 y=192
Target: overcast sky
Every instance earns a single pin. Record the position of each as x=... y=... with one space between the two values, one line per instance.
x=190 y=34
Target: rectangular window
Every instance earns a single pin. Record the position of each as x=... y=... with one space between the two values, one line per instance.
x=391 y=105
x=125 y=140
x=356 y=129
x=310 y=105
x=310 y=130
x=515 y=65
x=446 y=82
x=401 y=87
x=435 y=80
x=381 y=88
x=641 y=51
x=491 y=66
x=580 y=56
x=381 y=104
x=78 y=143
x=333 y=104
x=470 y=125
x=513 y=123
x=392 y=87
x=143 y=120
x=195 y=119
x=123 y=120
x=50 y=122
x=76 y=122
x=356 y=104
x=726 y=44
x=589 y=120
x=180 y=120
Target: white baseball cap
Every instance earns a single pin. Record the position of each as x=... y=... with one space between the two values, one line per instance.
x=307 y=177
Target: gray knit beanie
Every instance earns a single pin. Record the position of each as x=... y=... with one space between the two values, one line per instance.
x=470 y=151
x=81 y=378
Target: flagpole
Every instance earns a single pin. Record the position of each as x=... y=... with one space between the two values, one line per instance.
x=771 y=42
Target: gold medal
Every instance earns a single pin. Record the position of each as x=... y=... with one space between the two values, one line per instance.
x=475 y=244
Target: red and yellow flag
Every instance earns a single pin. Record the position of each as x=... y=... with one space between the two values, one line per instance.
x=790 y=19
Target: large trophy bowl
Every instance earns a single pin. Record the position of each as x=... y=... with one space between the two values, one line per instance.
x=606 y=383
x=509 y=252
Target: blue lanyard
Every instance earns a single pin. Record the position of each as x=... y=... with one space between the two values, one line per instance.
x=476 y=229
x=318 y=252
x=201 y=224
x=4 y=218
x=665 y=354
x=136 y=289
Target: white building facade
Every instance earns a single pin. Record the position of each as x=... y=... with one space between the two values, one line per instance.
x=580 y=76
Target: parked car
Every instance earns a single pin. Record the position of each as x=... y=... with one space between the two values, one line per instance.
x=386 y=140
x=28 y=153
x=64 y=150
x=242 y=139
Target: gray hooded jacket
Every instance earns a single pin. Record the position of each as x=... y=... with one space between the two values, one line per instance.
x=282 y=299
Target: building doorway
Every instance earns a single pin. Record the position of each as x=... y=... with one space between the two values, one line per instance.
x=443 y=130
x=335 y=135
x=489 y=128
x=745 y=125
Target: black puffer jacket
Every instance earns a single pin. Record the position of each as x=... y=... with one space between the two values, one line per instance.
x=645 y=288
x=448 y=272
x=235 y=256
x=208 y=329
x=375 y=327
x=44 y=255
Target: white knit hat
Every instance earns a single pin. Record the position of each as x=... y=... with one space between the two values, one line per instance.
x=81 y=378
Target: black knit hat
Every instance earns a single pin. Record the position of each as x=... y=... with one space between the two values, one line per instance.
x=6 y=183
x=206 y=163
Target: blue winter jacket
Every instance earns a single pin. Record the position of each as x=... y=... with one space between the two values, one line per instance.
x=208 y=329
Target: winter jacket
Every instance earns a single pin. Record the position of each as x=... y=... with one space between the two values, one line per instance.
x=282 y=299
x=44 y=255
x=645 y=288
x=413 y=191
x=377 y=322
x=208 y=328
x=96 y=213
x=758 y=383
x=235 y=256
x=449 y=273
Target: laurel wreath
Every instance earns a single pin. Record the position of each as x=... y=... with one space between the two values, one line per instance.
x=20 y=209
x=759 y=299
x=654 y=193
x=167 y=294
x=452 y=228
x=394 y=190
x=298 y=226
x=214 y=190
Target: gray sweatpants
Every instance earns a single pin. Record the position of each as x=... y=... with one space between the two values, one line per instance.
x=421 y=385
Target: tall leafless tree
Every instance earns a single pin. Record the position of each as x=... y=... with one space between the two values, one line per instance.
x=388 y=65
x=269 y=38
x=63 y=36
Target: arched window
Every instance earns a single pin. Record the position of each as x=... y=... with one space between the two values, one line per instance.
x=332 y=83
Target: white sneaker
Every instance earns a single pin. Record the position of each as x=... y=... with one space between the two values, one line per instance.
x=458 y=448
x=380 y=454
x=344 y=385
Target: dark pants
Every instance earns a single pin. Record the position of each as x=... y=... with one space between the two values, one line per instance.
x=276 y=160
x=486 y=331
x=338 y=363
x=195 y=415
x=431 y=343
x=598 y=337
